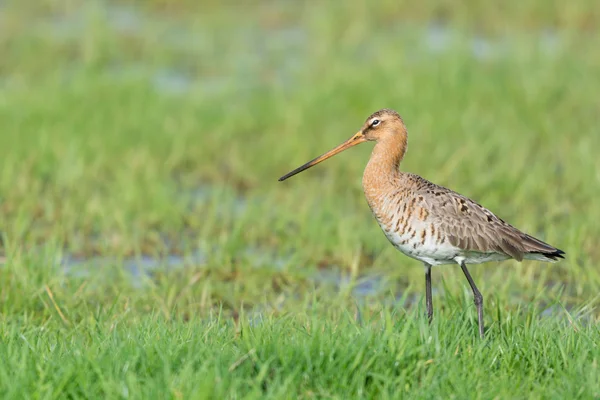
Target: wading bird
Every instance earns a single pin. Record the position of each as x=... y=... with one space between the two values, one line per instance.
x=427 y=222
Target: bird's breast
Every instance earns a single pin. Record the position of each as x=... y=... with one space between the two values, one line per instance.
x=407 y=223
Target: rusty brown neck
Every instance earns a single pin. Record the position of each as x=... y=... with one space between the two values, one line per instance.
x=383 y=167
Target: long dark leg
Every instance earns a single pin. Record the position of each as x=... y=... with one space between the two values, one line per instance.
x=428 y=298
x=478 y=298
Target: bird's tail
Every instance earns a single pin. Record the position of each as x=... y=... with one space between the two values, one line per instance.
x=535 y=249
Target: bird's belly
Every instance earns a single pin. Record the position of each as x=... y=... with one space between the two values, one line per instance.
x=422 y=246
x=431 y=250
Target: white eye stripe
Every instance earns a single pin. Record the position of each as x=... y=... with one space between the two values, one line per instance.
x=375 y=122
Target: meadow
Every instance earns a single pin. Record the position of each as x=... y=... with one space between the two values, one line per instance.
x=148 y=251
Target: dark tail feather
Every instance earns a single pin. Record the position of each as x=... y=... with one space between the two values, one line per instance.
x=536 y=246
x=554 y=256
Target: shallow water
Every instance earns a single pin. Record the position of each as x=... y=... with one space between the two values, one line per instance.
x=366 y=285
x=138 y=267
x=206 y=193
x=144 y=266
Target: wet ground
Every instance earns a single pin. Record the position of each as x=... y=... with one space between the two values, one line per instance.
x=273 y=53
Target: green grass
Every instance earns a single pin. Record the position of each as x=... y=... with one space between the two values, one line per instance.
x=162 y=131
x=388 y=355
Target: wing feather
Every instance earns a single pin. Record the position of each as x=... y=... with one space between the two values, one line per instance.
x=472 y=227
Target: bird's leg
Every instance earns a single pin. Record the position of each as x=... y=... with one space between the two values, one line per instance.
x=478 y=298
x=428 y=298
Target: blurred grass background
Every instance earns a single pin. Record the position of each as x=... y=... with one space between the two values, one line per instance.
x=141 y=142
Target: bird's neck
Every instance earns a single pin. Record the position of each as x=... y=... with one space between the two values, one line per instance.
x=382 y=171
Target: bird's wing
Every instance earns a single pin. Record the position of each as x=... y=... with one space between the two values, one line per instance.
x=472 y=227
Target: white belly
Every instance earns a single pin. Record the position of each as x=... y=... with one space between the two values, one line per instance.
x=425 y=250
x=430 y=251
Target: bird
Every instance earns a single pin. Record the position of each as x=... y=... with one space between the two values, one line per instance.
x=429 y=222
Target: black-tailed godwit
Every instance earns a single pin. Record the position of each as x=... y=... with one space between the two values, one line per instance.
x=427 y=222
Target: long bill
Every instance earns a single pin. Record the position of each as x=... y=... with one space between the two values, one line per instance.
x=353 y=141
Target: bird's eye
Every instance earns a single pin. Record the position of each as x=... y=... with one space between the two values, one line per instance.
x=375 y=122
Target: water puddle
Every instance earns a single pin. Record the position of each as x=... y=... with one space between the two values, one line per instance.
x=362 y=287
x=235 y=203
x=121 y=19
x=140 y=267
x=145 y=266
x=261 y=258
x=439 y=39
x=125 y=18
x=170 y=81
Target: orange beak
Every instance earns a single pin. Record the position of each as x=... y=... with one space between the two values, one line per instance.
x=353 y=141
